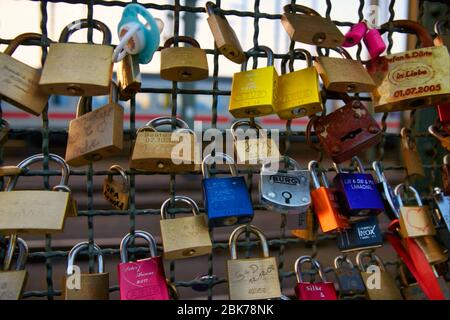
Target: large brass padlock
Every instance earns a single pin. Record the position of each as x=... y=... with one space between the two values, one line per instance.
x=252 y=278
x=79 y=69
x=254 y=92
x=343 y=75
x=165 y=151
x=183 y=63
x=129 y=77
x=95 y=135
x=411 y=157
x=20 y=82
x=12 y=282
x=4 y=130
x=412 y=79
x=85 y=286
x=117 y=193
x=184 y=237
x=298 y=91
x=224 y=36
x=442 y=29
x=310 y=27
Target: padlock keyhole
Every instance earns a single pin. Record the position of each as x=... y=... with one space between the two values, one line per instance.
x=351 y=135
x=287 y=197
x=186 y=74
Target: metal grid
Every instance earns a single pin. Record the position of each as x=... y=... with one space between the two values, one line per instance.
x=279 y=243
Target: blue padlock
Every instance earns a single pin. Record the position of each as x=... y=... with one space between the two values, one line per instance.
x=357 y=192
x=363 y=234
x=227 y=200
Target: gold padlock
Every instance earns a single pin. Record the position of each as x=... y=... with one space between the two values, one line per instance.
x=117 y=193
x=433 y=252
x=4 y=130
x=254 y=92
x=20 y=82
x=97 y=134
x=310 y=27
x=252 y=278
x=224 y=36
x=129 y=77
x=253 y=146
x=412 y=79
x=343 y=75
x=442 y=29
x=79 y=69
x=298 y=91
x=183 y=63
x=411 y=157
x=442 y=136
x=12 y=282
x=410 y=290
x=184 y=237
x=165 y=151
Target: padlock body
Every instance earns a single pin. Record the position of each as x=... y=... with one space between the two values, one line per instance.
x=416 y=222
x=254 y=92
x=350 y=281
x=95 y=135
x=183 y=64
x=306 y=229
x=355 y=34
x=93 y=286
x=256 y=151
x=412 y=160
x=298 y=94
x=20 y=85
x=143 y=280
x=390 y=201
x=374 y=43
x=225 y=38
x=116 y=194
x=326 y=207
x=77 y=69
x=315 y=291
x=433 y=252
x=362 y=234
x=185 y=237
x=411 y=80
x=227 y=201
x=12 y=284
x=253 y=279
x=129 y=77
x=388 y=288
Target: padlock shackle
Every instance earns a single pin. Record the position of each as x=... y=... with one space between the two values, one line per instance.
x=294 y=8
x=84 y=246
x=185 y=39
x=285 y=158
x=218 y=155
x=291 y=59
x=338 y=262
x=411 y=27
x=434 y=131
x=400 y=189
x=84 y=104
x=210 y=7
x=123 y=175
x=83 y=24
x=446 y=159
x=379 y=173
x=166 y=121
x=440 y=25
x=137 y=234
x=344 y=53
x=314 y=263
x=241 y=123
x=232 y=242
x=265 y=49
x=373 y=257
x=313 y=166
x=354 y=160
x=178 y=199
x=20 y=39
x=14 y=242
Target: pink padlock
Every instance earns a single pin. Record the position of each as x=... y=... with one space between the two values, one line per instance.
x=142 y=279
x=374 y=43
x=355 y=34
x=444 y=116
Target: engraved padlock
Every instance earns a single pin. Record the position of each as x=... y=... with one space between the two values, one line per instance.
x=411 y=157
x=115 y=192
x=12 y=281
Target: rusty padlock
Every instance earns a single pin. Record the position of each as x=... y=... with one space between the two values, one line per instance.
x=117 y=193
x=411 y=157
x=12 y=282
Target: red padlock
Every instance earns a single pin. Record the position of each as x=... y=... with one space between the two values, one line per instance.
x=374 y=43
x=355 y=34
x=444 y=116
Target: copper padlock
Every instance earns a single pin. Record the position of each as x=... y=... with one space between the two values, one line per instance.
x=12 y=282
x=129 y=77
x=20 y=82
x=411 y=157
x=117 y=193
x=310 y=27
x=183 y=63
x=446 y=175
x=79 y=69
x=4 y=130
x=442 y=29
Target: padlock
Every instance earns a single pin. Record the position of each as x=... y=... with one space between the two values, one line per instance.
x=446 y=175
x=347 y=131
x=141 y=279
x=432 y=250
x=343 y=75
x=4 y=130
x=224 y=36
x=412 y=79
x=355 y=34
x=307 y=230
x=294 y=100
x=319 y=290
x=415 y=221
x=443 y=204
x=325 y=202
x=160 y=151
x=12 y=282
x=442 y=136
x=95 y=135
x=253 y=146
x=348 y=277
x=79 y=69
x=391 y=205
x=444 y=116
x=411 y=157
x=72 y=210
x=184 y=237
x=183 y=63
x=442 y=29
x=374 y=43
x=20 y=82
x=254 y=92
x=410 y=290
x=379 y=283
x=363 y=234
x=128 y=77
x=85 y=286
x=227 y=200
x=357 y=192
x=117 y=193
x=310 y=27
x=252 y=278
x=284 y=191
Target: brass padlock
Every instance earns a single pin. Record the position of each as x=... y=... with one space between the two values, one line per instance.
x=129 y=77
x=310 y=27
x=442 y=29
x=411 y=157
x=165 y=151
x=183 y=63
x=410 y=290
x=184 y=237
x=298 y=91
x=442 y=136
x=117 y=193
x=10 y=171
x=4 y=130
x=252 y=278
x=85 y=286
x=12 y=282
x=343 y=75
x=412 y=79
x=95 y=135
x=253 y=146
x=20 y=82
x=254 y=92
x=224 y=36
x=79 y=69
x=433 y=252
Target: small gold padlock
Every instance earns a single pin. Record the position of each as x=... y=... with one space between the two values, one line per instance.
x=183 y=63
x=4 y=130
x=129 y=77
x=411 y=157
x=12 y=282
x=443 y=137
x=433 y=252
x=117 y=193
x=442 y=29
